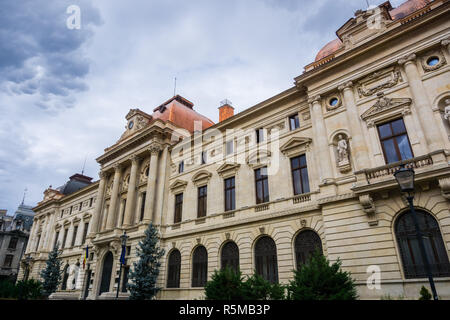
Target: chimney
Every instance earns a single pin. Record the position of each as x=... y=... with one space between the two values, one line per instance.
x=226 y=110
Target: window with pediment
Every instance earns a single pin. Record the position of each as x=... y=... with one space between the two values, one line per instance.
x=394 y=141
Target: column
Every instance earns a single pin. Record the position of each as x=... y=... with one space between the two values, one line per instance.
x=43 y=233
x=162 y=186
x=99 y=204
x=421 y=103
x=110 y=219
x=131 y=194
x=359 y=147
x=49 y=227
x=320 y=138
x=151 y=184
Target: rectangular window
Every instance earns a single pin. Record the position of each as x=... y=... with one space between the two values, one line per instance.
x=8 y=260
x=144 y=195
x=259 y=135
x=202 y=200
x=204 y=155
x=64 y=238
x=294 y=122
x=81 y=206
x=394 y=140
x=178 y=207
x=74 y=236
x=181 y=167
x=13 y=243
x=261 y=185
x=71 y=207
x=56 y=239
x=62 y=212
x=37 y=243
x=300 y=174
x=86 y=227
x=90 y=202
x=230 y=198
x=229 y=147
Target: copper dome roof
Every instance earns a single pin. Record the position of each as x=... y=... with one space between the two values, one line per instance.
x=400 y=12
x=180 y=112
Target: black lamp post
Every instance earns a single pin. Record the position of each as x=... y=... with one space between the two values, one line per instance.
x=123 y=239
x=405 y=179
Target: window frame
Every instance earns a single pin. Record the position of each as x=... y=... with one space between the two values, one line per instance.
x=296 y=121
x=173 y=270
x=261 y=180
x=394 y=138
x=300 y=167
x=178 y=205
x=229 y=189
x=202 y=198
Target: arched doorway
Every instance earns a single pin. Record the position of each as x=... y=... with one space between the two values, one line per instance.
x=406 y=235
x=106 y=272
x=306 y=243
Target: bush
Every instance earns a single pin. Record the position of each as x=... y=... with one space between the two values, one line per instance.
x=424 y=294
x=318 y=280
x=227 y=284
x=8 y=289
x=29 y=289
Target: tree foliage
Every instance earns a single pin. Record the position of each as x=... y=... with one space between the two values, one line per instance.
x=424 y=294
x=318 y=280
x=22 y=290
x=52 y=273
x=146 y=270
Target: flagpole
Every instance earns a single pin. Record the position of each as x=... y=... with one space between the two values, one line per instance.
x=124 y=238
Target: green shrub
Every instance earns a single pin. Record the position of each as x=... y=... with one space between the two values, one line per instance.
x=226 y=284
x=8 y=289
x=29 y=289
x=424 y=294
x=318 y=280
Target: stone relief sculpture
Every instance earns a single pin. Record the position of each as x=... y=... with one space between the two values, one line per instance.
x=73 y=275
x=447 y=110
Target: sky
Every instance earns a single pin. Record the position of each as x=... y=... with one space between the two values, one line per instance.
x=64 y=92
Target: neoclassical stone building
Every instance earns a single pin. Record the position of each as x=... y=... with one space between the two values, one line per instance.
x=311 y=167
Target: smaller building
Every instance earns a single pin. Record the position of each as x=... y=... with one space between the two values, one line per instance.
x=14 y=233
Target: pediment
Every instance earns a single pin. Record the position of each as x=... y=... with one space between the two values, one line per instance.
x=295 y=144
x=259 y=157
x=178 y=185
x=202 y=176
x=228 y=168
x=385 y=105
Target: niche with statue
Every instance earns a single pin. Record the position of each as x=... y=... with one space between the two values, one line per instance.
x=341 y=147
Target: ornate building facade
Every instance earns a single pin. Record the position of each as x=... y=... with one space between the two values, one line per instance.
x=310 y=168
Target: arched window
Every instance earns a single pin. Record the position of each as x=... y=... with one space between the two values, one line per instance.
x=306 y=243
x=266 y=259
x=405 y=233
x=106 y=272
x=199 y=267
x=230 y=256
x=173 y=277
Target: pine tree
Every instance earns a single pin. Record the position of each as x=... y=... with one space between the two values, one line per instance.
x=52 y=273
x=146 y=270
x=318 y=280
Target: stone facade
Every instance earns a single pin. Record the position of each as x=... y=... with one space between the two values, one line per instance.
x=398 y=70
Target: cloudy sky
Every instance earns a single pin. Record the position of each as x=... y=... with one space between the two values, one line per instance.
x=64 y=93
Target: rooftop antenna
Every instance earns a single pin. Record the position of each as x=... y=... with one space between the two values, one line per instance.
x=175 y=87
x=84 y=164
x=24 y=193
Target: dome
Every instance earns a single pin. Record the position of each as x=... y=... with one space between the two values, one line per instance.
x=328 y=49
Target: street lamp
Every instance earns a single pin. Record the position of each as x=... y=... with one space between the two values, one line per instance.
x=123 y=239
x=405 y=179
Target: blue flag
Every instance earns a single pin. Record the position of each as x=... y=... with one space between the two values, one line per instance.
x=122 y=255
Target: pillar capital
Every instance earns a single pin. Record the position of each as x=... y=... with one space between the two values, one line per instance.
x=154 y=149
x=408 y=58
x=314 y=99
x=103 y=174
x=347 y=85
x=135 y=159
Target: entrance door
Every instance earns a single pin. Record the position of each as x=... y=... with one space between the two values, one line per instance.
x=106 y=273
x=88 y=282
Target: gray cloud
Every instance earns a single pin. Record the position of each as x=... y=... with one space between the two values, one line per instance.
x=38 y=53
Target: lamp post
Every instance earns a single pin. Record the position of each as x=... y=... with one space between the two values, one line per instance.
x=123 y=239
x=405 y=179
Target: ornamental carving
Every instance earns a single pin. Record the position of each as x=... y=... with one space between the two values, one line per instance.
x=385 y=104
x=379 y=80
x=295 y=146
x=369 y=208
x=444 y=183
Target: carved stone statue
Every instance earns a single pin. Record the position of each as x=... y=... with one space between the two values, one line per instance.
x=342 y=149
x=71 y=278
x=447 y=110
